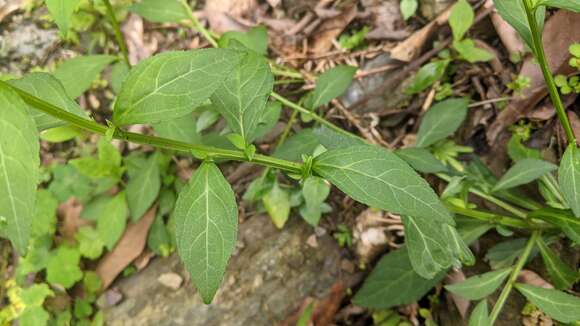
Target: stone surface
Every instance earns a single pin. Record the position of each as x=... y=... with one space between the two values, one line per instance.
x=267 y=280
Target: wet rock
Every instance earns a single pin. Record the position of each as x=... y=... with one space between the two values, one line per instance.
x=267 y=280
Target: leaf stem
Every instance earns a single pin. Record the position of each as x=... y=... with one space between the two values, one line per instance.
x=495 y=218
x=195 y=24
x=117 y=30
x=212 y=152
x=513 y=277
x=541 y=57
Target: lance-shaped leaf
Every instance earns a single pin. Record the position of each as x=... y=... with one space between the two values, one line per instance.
x=49 y=89
x=421 y=160
x=569 y=178
x=171 y=84
x=380 y=179
x=480 y=315
x=167 y=11
x=514 y=13
x=303 y=142
x=206 y=222
x=61 y=11
x=19 y=166
x=112 y=219
x=524 y=171
x=559 y=305
x=560 y=274
x=143 y=187
x=572 y=5
x=88 y=66
x=242 y=97
x=569 y=224
x=480 y=286
x=330 y=84
x=441 y=120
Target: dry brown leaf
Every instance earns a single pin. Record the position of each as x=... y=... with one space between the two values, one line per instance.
x=386 y=20
x=560 y=31
x=330 y=29
x=133 y=31
x=532 y=278
x=507 y=34
x=70 y=215
x=227 y=15
x=9 y=6
x=127 y=249
x=462 y=304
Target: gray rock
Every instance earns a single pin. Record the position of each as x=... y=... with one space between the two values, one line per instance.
x=267 y=280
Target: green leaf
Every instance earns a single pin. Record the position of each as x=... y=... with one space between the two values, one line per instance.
x=480 y=286
x=513 y=12
x=47 y=88
x=206 y=222
x=393 y=282
x=61 y=11
x=269 y=119
x=329 y=85
x=44 y=222
x=112 y=219
x=380 y=179
x=207 y=118
x=167 y=11
x=470 y=52
x=19 y=168
x=255 y=39
x=60 y=134
x=480 y=315
x=569 y=178
x=68 y=182
x=63 y=267
x=182 y=128
x=118 y=74
x=277 y=204
x=504 y=253
x=421 y=160
x=171 y=84
x=315 y=190
x=461 y=19
x=441 y=121
x=524 y=171
x=569 y=224
x=90 y=243
x=561 y=306
x=89 y=67
x=561 y=275
x=428 y=250
x=241 y=98
x=158 y=239
x=427 y=75
x=108 y=163
x=332 y=139
x=303 y=142
x=408 y=8
x=458 y=247
x=143 y=187
x=572 y=5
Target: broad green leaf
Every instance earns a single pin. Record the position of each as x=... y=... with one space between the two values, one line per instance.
x=44 y=222
x=207 y=118
x=569 y=178
x=393 y=282
x=112 y=219
x=118 y=74
x=332 y=139
x=269 y=119
x=457 y=247
x=441 y=121
x=513 y=12
x=329 y=85
x=206 y=223
x=427 y=75
x=421 y=160
x=143 y=187
x=182 y=128
x=47 y=88
x=255 y=39
x=561 y=275
x=524 y=171
x=19 y=169
x=158 y=239
x=89 y=67
x=572 y=5
x=408 y=8
x=63 y=267
x=241 y=98
x=61 y=11
x=429 y=251
x=106 y=165
x=171 y=84
x=471 y=229
x=303 y=142
x=461 y=19
x=480 y=286
x=68 y=182
x=90 y=244
x=277 y=204
x=480 y=315
x=470 y=52
x=505 y=253
x=569 y=224
x=166 y=11
x=314 y=190
x=60 y=134
x=559 y=305
x=380 y=179
x=518 y=151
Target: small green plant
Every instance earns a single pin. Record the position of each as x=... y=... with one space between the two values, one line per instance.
x=343 y=236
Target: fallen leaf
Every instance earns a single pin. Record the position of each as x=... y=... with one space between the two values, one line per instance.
x=70 y=215
x=127 y=249
x=387 y=20
x=462 y=304
x=330 y=29
x=507 y=34
x=227 y=15
x=133 y=32
x=532 y=278
x=560 y=31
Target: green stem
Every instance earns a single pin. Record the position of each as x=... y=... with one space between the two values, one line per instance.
x=552 y=186
x=523 y=202
x=541 y=57
x=285 y=72
x=513 y=277
x=117 y=30
x=494 y=218
x=197 y=25
x=213 y=152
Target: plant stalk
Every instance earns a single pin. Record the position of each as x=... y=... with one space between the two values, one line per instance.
x=197 y=25
x=541 y=57
x=495 y=218
x=513 y=277
x=117 y=30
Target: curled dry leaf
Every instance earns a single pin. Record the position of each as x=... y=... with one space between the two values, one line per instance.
x=228 y=15
x=532 y=278
x=330 y=29
x=462 y=304
x=133 y=31
x=127 y=249
x=507 y=34
x=560 y=31
x=387 y=20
